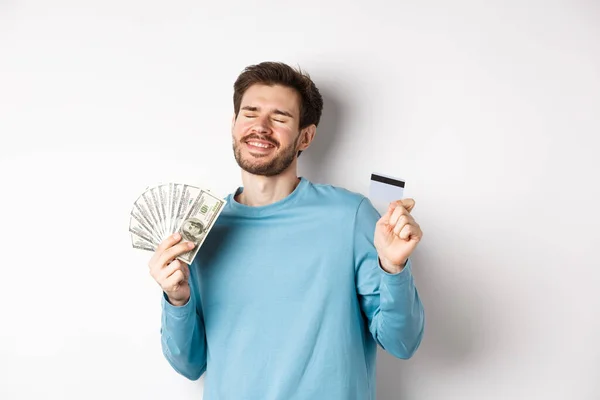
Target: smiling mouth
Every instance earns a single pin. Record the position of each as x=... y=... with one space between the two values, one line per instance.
x=259 y=145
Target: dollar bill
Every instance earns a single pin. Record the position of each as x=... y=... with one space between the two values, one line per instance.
x=139 y=216
x=198 y=221
x=170 y=190
x=149 y=205
x=140 y=243
x=172 y=207
x=188 y=196
x=155 y=202
x=162 y=202
x=141 y=233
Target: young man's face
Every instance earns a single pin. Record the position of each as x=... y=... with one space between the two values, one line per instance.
x=266 y=135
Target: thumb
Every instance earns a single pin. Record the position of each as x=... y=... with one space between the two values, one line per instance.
x=385 y=219
x=408 y=203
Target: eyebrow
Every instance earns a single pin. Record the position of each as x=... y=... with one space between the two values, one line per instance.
x=275 y=111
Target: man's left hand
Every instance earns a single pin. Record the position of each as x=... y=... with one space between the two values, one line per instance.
x=396 y=235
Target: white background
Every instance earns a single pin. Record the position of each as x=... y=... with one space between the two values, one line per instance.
x=489 y=110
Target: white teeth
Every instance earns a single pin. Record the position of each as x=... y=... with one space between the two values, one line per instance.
x=264 y=146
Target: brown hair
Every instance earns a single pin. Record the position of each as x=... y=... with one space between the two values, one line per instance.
x=277 y=73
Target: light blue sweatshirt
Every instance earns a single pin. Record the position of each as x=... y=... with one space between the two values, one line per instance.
x=289 y=302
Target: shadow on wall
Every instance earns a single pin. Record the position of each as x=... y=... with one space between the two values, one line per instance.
x=450 y=338
x=315 y=161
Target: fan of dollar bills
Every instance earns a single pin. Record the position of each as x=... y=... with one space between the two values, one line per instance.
x=172 y=207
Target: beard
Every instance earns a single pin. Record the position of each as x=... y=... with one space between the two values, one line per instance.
x=282 y=160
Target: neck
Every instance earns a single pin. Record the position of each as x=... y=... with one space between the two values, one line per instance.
x=264 y=190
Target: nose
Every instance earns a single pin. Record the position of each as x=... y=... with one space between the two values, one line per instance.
x=261 y=125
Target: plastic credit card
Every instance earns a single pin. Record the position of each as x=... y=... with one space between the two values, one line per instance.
x=384 y=189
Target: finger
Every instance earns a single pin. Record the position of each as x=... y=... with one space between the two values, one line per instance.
x=401 y=223
x=176 y=265
x=385 y=218
x=408 y=204
x=410 y=232
x=172 y=253
x=173 y=282
x=164 y=245
x=398 y=211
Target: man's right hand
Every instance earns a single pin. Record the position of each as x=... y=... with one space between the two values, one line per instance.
x=171 y=274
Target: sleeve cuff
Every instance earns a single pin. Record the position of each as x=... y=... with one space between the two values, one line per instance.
x=178 y=311
x=398 y=277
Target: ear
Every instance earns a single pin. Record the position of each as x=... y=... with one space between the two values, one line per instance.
x=306 y=137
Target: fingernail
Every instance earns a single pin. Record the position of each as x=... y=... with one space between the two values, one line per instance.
x=191 y=245
x=176 y=235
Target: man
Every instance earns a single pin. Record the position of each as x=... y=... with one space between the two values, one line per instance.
x=297 y=282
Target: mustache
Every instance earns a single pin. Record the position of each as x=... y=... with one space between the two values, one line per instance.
x=262 y=138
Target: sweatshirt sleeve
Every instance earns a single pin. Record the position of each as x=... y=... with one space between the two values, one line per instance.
x=183 y=337
x=390 y=302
